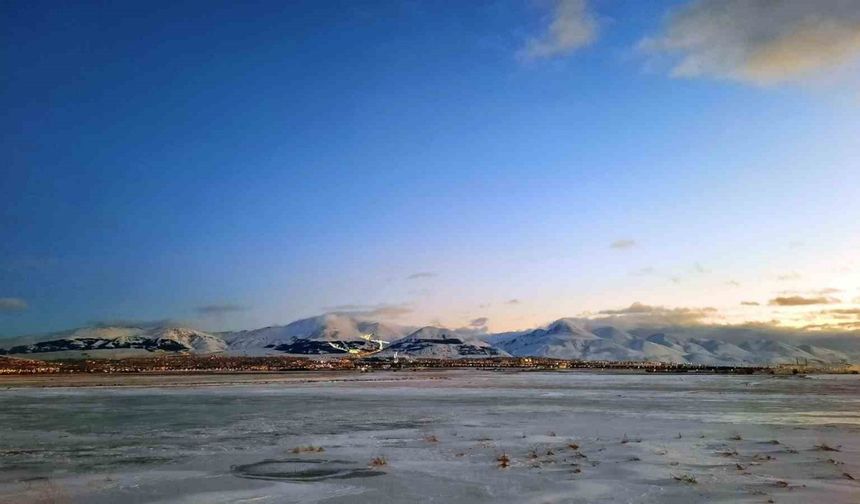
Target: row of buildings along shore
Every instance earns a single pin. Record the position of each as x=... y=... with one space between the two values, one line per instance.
x=233 y=364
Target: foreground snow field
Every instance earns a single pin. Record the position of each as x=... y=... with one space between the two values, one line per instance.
x=433 y=437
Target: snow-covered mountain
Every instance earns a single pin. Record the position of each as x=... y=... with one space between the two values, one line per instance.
x=575 y=339
x=109 y=341
x=338 y=333
x=570 y=339
x=438 y=343
x=314 y=335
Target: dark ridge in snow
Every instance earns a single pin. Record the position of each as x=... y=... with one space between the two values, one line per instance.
x=334 y=327
x=88 y=344
x=312 y=347
x=102 y=339
x=438 y=343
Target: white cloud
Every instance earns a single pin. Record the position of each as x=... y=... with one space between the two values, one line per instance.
x=570 y=27
x=760 y=41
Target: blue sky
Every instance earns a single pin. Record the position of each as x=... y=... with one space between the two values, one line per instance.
x=434 y=162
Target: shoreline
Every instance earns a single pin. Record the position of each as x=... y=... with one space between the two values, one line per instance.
x=195 y=379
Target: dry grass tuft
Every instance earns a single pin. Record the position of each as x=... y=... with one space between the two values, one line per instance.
x=503 y=460
x=686 y=478
x=573 y=446
x=379 y=461
x=431 y=439
x=307 y=449
x=736 y=437
x=826 y=447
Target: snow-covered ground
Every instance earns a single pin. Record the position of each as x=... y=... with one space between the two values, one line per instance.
x=565 y=437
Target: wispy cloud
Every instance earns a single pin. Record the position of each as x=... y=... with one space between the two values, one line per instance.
x=479 y=322
x=750 y=303
x=570 y=26
x=788 y=277
x=421 y=274
x=759 y=41
x=648 y=270
x=647 y=315
x=733 y=283
x=827 y=290
x=812 y=292
x=28 y=263
x=698 y=268
x=845 y=312
x=219 y=309
x=140 y=323
x=11 y=305
x=377 y=311
x=513 y=301
x=801 y=301
x=623 y=244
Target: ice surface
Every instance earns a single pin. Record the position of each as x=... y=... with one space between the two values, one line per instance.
x=437 y=437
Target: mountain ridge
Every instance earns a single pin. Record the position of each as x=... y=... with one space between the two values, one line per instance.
x=338 y=333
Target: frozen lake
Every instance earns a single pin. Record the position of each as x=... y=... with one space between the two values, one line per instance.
x=563 y=437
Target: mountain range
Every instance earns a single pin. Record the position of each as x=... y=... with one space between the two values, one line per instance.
x=339 y=334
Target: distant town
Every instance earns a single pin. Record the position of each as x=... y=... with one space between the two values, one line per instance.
x=276 y=364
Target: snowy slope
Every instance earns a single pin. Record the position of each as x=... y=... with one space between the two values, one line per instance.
x=109 y=340
x=312 y=335
x=567 y=338
x=438 y=343
x=574 y=339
